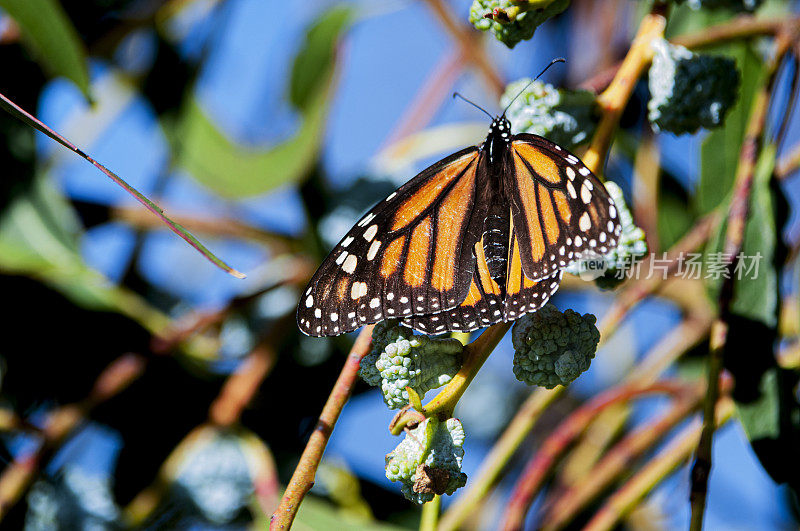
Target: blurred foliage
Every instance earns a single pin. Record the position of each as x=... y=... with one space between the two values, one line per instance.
x=232 y=170
x=178 y=461
x=566 y=117
x=48 y=31
x=719 y=153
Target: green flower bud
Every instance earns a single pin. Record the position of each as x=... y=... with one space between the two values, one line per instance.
x=400 y=359
x=689 y=91
x=428 y=460
x=553 y=348
x=609 y=270
x=565 y=117
x=512 y=21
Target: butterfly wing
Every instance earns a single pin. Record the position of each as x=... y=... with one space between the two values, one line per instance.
x=485 y=303
x=561 y=211
x=410 y=254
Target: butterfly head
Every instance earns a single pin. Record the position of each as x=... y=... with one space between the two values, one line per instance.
x=499 y=138
x=501 y=128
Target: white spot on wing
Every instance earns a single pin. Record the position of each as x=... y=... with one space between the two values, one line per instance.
x=586 y=194
x=571 y=189
x=358 y=290
x=585 y=223
x=369 y=217
x=350 y=264
x=370 y=232
x=373 y=249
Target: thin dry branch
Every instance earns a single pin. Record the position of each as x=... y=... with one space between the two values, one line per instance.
x=653 y=472
x=543 y=461
x=618 y=460
x=303 y=477
x=470 y=44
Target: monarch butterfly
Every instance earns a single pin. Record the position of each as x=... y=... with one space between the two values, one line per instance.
x=480 y=237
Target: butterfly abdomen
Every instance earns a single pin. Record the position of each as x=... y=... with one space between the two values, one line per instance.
x=495 y=243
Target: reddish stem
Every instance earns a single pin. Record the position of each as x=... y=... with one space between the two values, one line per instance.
x=542 y=462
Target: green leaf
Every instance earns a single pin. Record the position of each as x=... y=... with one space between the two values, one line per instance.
x=757 y=298
x=236 y=171
x=317 y=55
x=719 y=152
x=767 y=408
x=760 y=417
x=765 y=401
x=48 y=31
x=755 y=288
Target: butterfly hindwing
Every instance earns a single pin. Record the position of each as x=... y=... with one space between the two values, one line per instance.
x=562 y=211
x=483 y=305
x=410 y=254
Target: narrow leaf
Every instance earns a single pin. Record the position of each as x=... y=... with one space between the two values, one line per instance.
x=237 y=171
x=28 y=119
x=719 y=153
x=48 y=31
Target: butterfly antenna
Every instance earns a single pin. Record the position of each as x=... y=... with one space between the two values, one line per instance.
x=554 y=61
x=473 y=104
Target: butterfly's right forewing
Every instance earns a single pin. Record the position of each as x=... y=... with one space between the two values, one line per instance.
x=562 y=212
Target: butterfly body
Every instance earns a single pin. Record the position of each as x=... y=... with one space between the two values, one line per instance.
x=478 y=238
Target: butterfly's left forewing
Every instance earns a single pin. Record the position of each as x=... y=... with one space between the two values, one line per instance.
x=561 y=211
x=410 y=254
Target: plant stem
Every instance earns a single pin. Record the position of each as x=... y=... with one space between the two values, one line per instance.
x=540 y=465
x=613 y=100
x=788 y=164
x=470 y=46
x=244 y=382
x=647 y=172
x=430 y=514
x=617 y=460
x=443 y=404
x=497 y=459
x=475 y=354
x=653 y=472
x=303 y=477
x=742 y=27
x=210 y=226
x=667 y=350
x=737 y=218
